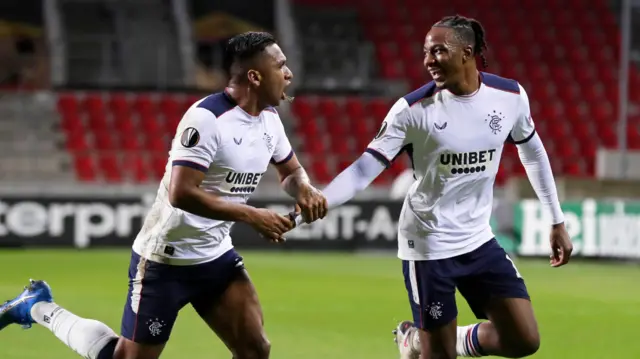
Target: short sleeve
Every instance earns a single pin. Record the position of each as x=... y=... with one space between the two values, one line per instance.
x=283 y=150
x=523 y=128
x=196 y=140
x=392 y=136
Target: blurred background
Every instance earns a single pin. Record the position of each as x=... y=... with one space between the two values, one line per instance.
x=91 y=92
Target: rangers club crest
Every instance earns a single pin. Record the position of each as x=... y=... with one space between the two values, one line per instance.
x=494 y=120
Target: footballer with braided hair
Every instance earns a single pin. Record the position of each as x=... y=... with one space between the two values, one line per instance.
x=454 y=130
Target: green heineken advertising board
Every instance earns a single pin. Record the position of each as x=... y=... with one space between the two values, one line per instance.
x=597 y=228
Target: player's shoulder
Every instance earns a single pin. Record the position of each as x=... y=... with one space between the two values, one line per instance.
x=501 y=83
x=422 y=93
x=216 y=104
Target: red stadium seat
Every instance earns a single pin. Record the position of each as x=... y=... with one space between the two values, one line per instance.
x=378 y=109
x=359 y=127
x=150 y=124
x=171 y=124
x=124 y=124
x=68 y=104
x=84 y=168
x=158 y=164
x=130 y=142
x=76 y=141
x=144 y=105
x=155 y=143
x=134 y=168
x=302 y=108
x=354 y=108
x=98 y=122
x=169 y=105
x=104 y=141
x=320 y=171
x=93 y=104
x=108 y=164
x=71 y=122
x=328 y=109
x=340 y=147
x=314 y=145
x=118 y=104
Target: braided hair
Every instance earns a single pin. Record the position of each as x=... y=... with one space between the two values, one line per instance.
x=469 y=31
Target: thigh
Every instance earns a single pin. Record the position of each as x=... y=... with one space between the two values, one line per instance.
x=490 y=275
x=228 y=303
x=515 y=323
x=236 y=316
x=154 y=298
x=431 y=293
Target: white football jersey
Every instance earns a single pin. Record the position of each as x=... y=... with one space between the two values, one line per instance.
x=233 y=149
x=455 y=144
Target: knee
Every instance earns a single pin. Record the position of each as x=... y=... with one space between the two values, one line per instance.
x=526 y=345
x=255 y=349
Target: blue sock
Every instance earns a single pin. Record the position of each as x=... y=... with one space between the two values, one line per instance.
x=475 y=343
x=108 y=350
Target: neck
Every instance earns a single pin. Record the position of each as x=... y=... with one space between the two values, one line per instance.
x=469 y=84
x=245 y=98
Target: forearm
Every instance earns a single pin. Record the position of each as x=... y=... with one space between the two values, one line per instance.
x=203 y=204
x=352 y=180
x=295 y=181
x=536 y=163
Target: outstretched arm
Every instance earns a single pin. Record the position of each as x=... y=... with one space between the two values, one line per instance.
x=391 y=140
x=353 y=179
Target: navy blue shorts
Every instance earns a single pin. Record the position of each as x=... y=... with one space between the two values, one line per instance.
x=157 y=292
x=480 y=275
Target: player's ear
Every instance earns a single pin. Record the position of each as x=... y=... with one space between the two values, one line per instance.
x=467 y=53
x=254 y=77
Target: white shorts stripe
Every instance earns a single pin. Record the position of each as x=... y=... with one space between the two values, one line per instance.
x=414 y=282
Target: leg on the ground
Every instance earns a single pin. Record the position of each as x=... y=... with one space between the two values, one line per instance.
x=513 y=330
x=236 y=317
x=87 y=337
x=497 y=292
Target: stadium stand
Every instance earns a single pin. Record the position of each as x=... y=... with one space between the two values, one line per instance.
x=563 y=47
x=120 y=136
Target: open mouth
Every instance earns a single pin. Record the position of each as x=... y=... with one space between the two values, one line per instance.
x=286 y=97
x=436 y=74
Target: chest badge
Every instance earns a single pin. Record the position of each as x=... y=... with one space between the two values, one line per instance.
x=494 y=120
x=268 y=140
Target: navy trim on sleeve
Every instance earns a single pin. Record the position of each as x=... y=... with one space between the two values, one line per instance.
x=527 y=139
x=285 y=160
x=190 y=164
x=379 y=156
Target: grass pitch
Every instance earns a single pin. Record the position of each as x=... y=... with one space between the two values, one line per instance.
x=330 y=306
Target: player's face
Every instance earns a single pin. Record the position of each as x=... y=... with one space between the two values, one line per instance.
x=276 y=76
x=443 y=56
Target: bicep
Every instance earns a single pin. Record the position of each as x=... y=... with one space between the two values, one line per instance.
x=184 y=180
x=287 y=167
